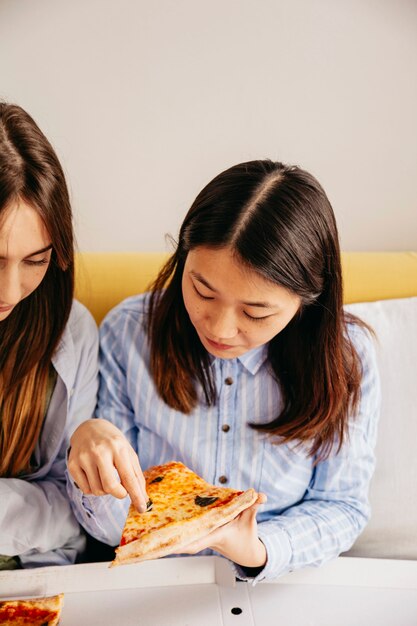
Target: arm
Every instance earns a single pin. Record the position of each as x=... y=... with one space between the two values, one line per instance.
x=47 y=532
x=101 y=445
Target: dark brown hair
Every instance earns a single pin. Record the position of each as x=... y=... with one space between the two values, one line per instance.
x=30 y=171
x=279 y=222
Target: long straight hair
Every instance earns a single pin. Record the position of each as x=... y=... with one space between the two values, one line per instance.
x=30 y=171
x=279 y=222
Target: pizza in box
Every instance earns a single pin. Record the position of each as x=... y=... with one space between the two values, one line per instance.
x=34 y=611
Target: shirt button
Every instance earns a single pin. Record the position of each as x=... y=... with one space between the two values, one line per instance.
x=222 y=479
x=228 y=380
x=225 y=428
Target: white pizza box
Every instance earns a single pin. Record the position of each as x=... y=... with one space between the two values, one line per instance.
x=201 y=591
x=348 y=591
x=164 y=592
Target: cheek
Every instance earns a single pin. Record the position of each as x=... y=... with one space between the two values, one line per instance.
x=263 y=335
x=33 y=281
x=191 y=305
x=195 y=312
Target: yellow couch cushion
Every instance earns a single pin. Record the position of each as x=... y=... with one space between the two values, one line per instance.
x=103 y=279
x=371 y=276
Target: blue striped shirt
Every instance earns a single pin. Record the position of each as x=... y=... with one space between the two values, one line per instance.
x=314 y=511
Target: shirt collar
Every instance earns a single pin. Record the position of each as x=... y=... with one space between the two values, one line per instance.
x=252 y=360
x=64 y=357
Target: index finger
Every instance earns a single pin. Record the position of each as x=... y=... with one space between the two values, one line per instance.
x=133 y=481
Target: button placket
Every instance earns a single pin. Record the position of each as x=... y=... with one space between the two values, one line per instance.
x=227 y=412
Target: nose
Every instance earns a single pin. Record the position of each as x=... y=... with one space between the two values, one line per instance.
x=10 y=287
x=223 y=325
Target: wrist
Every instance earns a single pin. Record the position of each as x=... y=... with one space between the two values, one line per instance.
x=252 y=559
x=259 y=557
x=252 y=571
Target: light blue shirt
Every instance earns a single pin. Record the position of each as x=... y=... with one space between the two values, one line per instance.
x=313 y=512
x=36 y=520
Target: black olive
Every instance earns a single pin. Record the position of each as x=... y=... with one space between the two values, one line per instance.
x=149 y=505
x=205 y=500
x=156 y=480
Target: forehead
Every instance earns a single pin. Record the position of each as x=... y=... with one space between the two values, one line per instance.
x=225 y=272
x=22 y=231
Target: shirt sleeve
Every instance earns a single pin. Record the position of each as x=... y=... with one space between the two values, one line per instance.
x=47 y=532
x=104 y=516
x=335 y=507
x=83 y=393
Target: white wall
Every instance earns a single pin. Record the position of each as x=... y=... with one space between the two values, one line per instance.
x=147 y=101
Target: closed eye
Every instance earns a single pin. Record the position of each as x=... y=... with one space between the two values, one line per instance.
x=200 y=295
x=256 y=319
x=36 y=263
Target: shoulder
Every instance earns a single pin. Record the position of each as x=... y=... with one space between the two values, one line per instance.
x=79 y=343
x=81 y=325
x=361 y=336
x=132 y=309
x=364 y=342
x=126 y=322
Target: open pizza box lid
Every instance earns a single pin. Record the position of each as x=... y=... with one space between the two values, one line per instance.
x=201 y=591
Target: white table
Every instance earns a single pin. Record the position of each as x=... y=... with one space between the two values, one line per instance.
x=201 y=591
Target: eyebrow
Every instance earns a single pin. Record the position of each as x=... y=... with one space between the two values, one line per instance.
x=45 y=249
x=35 y=253
x=263 y=305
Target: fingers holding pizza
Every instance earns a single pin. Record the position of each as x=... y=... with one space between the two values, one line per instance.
x=102 y=461
x=237 y=540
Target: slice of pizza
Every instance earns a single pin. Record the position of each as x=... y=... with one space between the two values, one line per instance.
x=36 y=611
x=182 y=508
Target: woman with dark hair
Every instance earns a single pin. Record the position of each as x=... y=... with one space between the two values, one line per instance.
x=48 y=349
x=242 y=364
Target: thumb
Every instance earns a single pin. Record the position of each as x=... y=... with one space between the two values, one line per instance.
x=262 y=498
x=251 y=511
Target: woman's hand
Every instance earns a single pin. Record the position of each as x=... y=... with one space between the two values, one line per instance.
x=102 y=461
x=237 y=540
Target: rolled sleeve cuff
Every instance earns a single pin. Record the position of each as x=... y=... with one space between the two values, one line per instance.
x=91 y=510
x=278 y=550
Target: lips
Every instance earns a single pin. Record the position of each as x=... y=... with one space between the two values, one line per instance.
x=3 y=309
x=218 y=346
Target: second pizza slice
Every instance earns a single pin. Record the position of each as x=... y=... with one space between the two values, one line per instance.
x=183 y=508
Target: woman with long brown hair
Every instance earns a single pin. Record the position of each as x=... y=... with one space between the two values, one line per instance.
x=242 y=364
x=48 y=349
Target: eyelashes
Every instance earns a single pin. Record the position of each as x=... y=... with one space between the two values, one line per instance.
x=255 y=319
x=37 y=263
x=249 y=317
x=200 y=295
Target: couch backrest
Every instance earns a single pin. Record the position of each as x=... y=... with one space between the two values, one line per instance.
x=103 y=279
x=392 y=530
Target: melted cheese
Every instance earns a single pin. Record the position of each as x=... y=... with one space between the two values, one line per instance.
x=173 y=500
